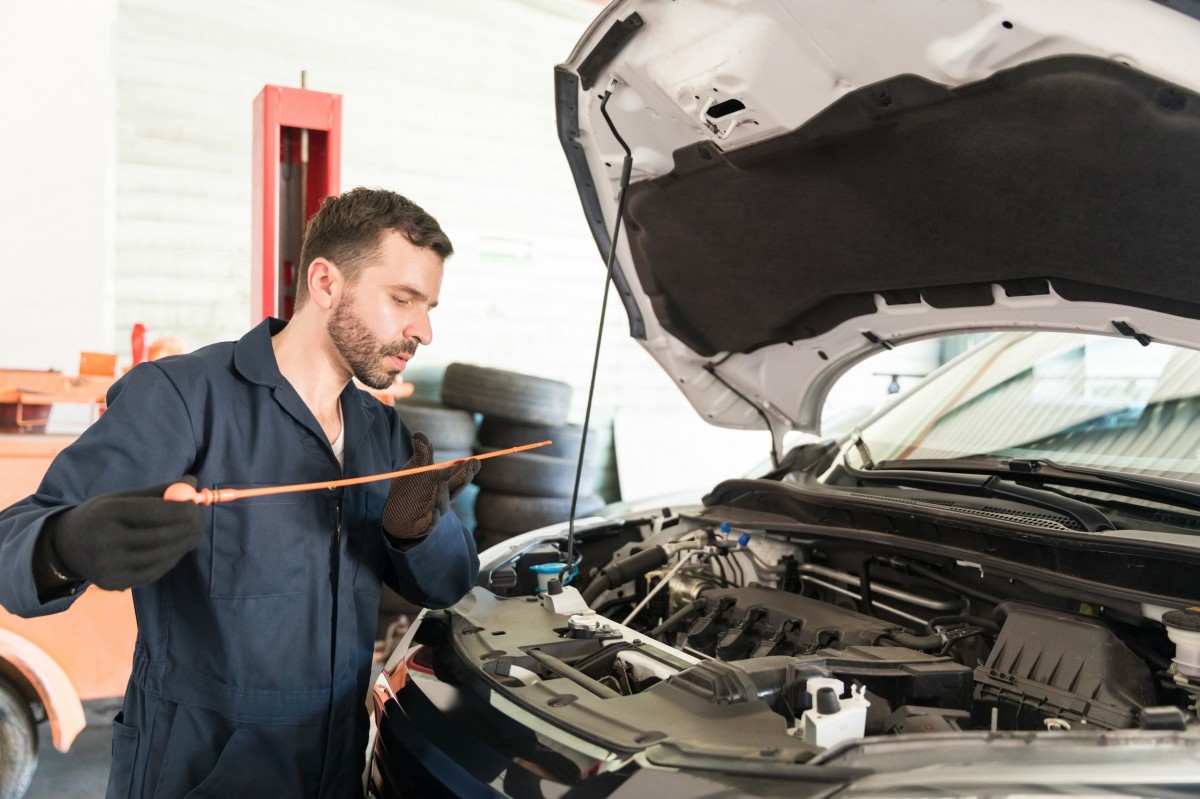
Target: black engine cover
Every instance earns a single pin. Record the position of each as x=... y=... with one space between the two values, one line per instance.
x=737 y=623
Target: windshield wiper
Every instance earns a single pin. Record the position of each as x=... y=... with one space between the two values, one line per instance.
x=1039 y=470
x=1000 y=486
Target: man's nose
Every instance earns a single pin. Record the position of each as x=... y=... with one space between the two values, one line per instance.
x=420 y=329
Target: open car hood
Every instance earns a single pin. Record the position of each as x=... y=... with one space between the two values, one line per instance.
x=813 y=181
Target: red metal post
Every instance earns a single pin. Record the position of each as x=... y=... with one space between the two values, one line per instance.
x=297 y=164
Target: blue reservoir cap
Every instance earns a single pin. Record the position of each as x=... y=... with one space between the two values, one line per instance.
x=743 y=539
x=548 y=573
x=724 y=528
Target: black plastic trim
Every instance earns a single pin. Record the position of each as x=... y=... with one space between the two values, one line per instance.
x=566 y=99
x=408 y=759
x=611 y=43
x=1189 y=7
x=1117 y=568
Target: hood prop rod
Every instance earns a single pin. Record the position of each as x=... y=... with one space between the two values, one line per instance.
x=626 y=170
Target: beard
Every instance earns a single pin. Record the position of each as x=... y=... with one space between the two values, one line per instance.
x=362 y=349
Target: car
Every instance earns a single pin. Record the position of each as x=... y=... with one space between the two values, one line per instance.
x=988 y=587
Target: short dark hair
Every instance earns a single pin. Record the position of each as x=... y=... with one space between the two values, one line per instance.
x=349 y=229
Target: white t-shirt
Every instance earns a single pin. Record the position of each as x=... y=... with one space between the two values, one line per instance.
x=339 y=447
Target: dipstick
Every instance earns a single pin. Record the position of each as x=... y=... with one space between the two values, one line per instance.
x=182 y=492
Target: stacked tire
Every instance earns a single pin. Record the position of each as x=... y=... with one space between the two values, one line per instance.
x=525 y=490
x=451 y=432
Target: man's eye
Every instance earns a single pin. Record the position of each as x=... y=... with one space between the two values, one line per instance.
x=400 y=300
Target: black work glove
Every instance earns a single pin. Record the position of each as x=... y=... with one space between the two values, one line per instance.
x=124 y=539
x=416 y=503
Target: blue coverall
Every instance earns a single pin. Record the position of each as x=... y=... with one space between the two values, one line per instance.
x=253 y=654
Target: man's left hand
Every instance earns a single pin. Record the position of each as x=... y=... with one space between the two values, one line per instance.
x=416 y=503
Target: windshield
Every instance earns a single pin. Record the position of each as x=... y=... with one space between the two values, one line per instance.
x=1072 y=398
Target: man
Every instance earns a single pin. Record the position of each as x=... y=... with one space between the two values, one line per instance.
x=256 y=618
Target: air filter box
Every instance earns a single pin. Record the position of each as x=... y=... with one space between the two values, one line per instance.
x=1053 y=664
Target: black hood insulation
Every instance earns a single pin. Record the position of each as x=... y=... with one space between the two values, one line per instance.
x=1072 y=172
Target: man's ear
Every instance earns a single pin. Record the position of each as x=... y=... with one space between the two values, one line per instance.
x=325 y=283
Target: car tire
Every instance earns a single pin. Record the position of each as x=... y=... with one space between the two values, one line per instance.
x=506 y=395
x=486 y=539
x=501 y=433
x=534 y=475
x=464 y=505
x=18 y=743
x=447 y=429
x=514 y=513
x=444 y=455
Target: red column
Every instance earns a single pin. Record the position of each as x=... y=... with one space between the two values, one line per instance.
x=297 y=164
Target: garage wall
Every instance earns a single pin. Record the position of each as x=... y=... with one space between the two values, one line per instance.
x=57 y=131
x=448 y=103
x=133 y=199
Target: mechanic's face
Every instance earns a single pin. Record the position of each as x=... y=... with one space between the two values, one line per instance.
x=382 y=317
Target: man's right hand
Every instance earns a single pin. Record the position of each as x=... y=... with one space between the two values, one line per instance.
x=124 y=539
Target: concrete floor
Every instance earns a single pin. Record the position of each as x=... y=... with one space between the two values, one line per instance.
x=81 y=773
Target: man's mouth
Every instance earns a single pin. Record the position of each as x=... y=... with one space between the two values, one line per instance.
x=399 y=355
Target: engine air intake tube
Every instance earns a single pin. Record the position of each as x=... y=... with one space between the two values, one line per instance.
x=624 y=570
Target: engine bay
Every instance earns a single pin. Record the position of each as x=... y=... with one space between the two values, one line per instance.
x=797 y=644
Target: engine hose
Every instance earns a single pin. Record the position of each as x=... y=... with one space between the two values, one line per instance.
x=864 y=588
x=977 y=621
x=677 y=617
x=609 y=606
x=930 y=574
x=925 y=643
x=624 y=570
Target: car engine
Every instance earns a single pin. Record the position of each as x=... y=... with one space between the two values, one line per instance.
x=843 y=641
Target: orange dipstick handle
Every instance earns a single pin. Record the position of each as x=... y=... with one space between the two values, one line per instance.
x=182 y=492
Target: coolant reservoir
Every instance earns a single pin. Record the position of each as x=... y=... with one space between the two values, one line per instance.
x=833 y=719
x=1183 y=628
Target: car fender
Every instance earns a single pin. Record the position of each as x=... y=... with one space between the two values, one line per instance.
x=52 y=685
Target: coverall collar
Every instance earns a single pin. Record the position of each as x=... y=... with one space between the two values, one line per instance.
x=254 y=359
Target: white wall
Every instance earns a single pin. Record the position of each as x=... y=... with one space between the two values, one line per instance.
x=57 y=132
x=450 y=104
x=128 y=175
x=144 y=106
